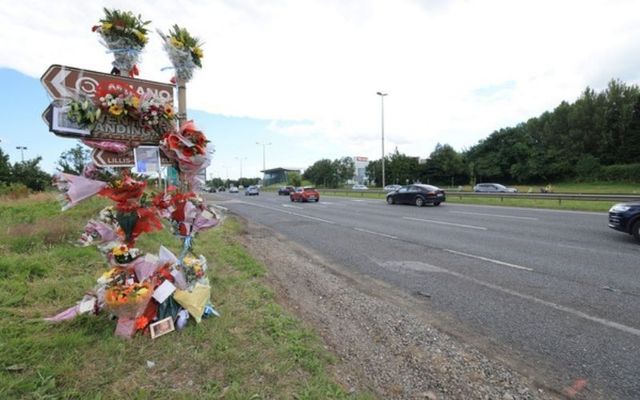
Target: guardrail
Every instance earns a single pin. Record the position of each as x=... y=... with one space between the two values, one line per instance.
x=536 y=196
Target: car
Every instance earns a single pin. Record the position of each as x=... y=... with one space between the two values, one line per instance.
x=391 y=188
x=252 y=191
x=286 y=190
x=625 y=217
x=222 y=189
x=233 y=189
x=305 y=194
x=493 y=188
x=417 y=194
x=358 y=186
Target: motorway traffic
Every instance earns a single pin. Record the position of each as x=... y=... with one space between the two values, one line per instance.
x=557 y=291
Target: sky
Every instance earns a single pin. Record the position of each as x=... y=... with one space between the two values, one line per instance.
x=301 y=76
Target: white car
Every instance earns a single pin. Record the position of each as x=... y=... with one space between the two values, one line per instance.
x=358 y=186
x=233 y=189
x=493 y=187
x=391 y=188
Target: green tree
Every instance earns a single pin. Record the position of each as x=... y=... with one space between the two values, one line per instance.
x=5 y=168
x=29 y=174
x=322 y=172
x=74 y=160
x=294 y=179
x=345 y=169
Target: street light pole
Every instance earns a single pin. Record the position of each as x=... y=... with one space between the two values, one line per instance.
x=240 y=158
x=382 y=104
x=22 y=149
x=264 y=145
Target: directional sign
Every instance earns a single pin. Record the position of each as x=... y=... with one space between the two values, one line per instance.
x=106 y=128
x=68 y=82
x=103 y=158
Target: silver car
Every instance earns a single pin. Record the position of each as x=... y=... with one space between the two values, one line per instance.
x=493 y=188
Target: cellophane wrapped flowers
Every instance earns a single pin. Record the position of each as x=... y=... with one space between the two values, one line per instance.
x=125 y=35
x=184 y=51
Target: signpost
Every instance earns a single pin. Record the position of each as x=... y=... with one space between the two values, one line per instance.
x=103 y=158
x=62 y=82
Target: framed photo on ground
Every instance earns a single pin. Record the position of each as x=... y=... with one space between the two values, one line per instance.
x=161 y=327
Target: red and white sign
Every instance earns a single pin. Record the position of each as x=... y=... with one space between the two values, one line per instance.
x=63 y=82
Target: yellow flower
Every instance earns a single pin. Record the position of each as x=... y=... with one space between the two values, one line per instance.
x=176 y=43
x=198 y=52
x=135 y=102
x=141 y=36
x=106 y=26
x=116 y=109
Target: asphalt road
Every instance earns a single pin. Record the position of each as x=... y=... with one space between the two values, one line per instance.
x=557 y=291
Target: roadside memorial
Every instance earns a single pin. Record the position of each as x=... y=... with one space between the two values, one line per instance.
x=129 y=121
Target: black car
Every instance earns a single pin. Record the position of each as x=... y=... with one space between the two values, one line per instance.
x=286 y=190
x=417 y=194
x=625 y=217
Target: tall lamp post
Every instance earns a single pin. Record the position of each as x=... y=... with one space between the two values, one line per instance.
x=381 y=94
x=240 y=159
x=22 y=149
x=264 y=145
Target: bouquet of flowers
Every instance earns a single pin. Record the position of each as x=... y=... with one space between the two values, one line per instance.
x=124 y=254
x=118 y=100
x=125 y=35
x=184 y=51
x=76 y=188
x=128 y=300
x=187 y=147
x=194 y=270
x=123 y=189
x=156 y=113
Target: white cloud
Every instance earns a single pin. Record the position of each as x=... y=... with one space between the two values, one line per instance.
x=321 y=62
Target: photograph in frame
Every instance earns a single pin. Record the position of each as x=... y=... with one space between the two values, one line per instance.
x=161 y=327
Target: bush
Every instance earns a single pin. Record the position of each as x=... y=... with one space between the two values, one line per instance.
x=588 y=167
x=14 y=191
x=621 y=173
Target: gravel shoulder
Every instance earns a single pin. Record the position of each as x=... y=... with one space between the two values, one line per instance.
x=385 y=340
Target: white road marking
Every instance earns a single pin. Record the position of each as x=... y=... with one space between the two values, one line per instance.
x=375 y=233
x=568 y=310
x=494 y=215
x=566 y=246
x=288 y=212
x=481 y=228
x=506 y=264
x=290 y=206
x=358 y=200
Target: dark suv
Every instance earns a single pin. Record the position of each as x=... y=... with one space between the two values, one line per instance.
x=286 y=190
x=625 y=217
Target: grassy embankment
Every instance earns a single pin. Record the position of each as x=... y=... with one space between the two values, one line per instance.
x=583 y=188
x=255 y=350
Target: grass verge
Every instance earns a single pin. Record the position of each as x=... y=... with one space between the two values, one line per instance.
x=253 y=351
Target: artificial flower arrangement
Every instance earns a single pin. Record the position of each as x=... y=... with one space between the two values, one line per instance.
x=125 y=35
x=184 y=51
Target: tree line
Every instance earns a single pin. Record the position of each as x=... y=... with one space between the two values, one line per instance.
x=596 y=138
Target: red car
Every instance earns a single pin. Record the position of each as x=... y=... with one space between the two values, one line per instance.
x=305 y=194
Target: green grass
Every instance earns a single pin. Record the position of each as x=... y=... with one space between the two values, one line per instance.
x=255 y=350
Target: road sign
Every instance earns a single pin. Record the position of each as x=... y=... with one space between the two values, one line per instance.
x=103 y=158
x=106 y=128
x=63 y=82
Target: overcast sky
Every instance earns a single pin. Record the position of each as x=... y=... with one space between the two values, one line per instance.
x=303 y=75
